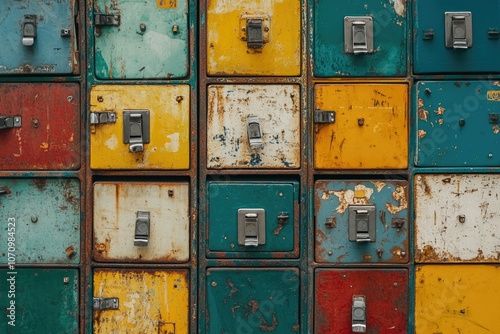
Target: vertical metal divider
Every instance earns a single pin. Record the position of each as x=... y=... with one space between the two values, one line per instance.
x=190 y=175
x=206 y=258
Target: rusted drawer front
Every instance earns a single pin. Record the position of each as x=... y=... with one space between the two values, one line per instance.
x=458 y=123
x=39 y=37
x=456 y=217
x=120 y=231
x=39 y=301
x=253 y=126
x=385 y=293
x=149 y=42
x=43 y=217
x=39 y=126
x=252 y=300
x=148 y=301
x=457 y=299
x=167 y=109
x=339 y=237
x=368 y=130
x=232 y=234
x=378 y=46
x=253 y=37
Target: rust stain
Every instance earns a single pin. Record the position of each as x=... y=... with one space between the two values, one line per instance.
x=399 y=195
x=429 y=254
x=41 y=184
x=70 y=252
x=234 y=290
x=266 y=328
x=421 y=134
x=5 y=190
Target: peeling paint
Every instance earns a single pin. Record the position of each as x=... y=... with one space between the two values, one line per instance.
x=496 y=129
x=399 y=7
x=423 y=114
x=440 y=111
x=400 y=195
x=421 y=134
x=346 y=197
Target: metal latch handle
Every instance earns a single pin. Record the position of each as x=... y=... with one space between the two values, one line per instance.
x=29 y=30
x=101 y=20
x=9 y=122
x=102 y=117
x=100 y=304
x=358 y=314
x=142 y=228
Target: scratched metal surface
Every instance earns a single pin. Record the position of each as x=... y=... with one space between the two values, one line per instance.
x=278 y=109
x=51 y=53
x=332 y=200
x=47 y=219
x=456 y=218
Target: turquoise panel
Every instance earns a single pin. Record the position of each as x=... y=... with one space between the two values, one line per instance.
x=252 y=301
x=51 y=52
x=332 y=202
x=39 y=301
x=151 y=41
x=389 y=39
x=432 y=56
x=43 y=218
x=274 y=197
x=458 y=123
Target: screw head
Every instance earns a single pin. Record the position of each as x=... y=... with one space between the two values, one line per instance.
x=34 y=219
x=361 y=121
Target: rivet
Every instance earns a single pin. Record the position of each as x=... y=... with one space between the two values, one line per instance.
x=403 y=254
x=142 y=27
x=34 y=219
x=70 y=98
x=380 y=252
x=461 y=218
x=395 y=284
x=330 y=252
x=490 y=155
x=35 y=123
x=428 y=91
x=214 y=283
x=461 y=122
x=175 y=29
x=179 y=98
x=266 y=29
x=66 y=280
x=243 y=28
x=361 y=121
x=170 y=193
x=100 y=99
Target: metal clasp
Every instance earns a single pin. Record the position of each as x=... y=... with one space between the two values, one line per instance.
x=101 y=20
x=254 y=132
x=254 y=29
x=136 y=129
x=29 y=30
x=324 y=117
x=361 y=226
x=142 y=230
x=9 y=122
x=358 y=314
x=358 y=34
x=458 y=30
x=100 y=304
x=102 y=117
x=251 y=227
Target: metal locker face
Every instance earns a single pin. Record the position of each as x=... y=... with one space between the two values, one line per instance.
x=253 y=126
x=39 y=126
x=384 y=295
x=233 y=208
x=366 y=128
x=456 y=299
x=39 y=300
x=141 y=40
x=139 y=127
x=456 y=36
x=141 y=301
x=141 y=222
x=43 y=215
x=360 y=38
x=38 y=37
x=252 y=300
x=361 y=221
x=456 y=217
x=458 y=123
x=256 y=37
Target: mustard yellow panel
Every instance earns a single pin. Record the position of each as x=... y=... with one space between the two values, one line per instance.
x=370 y=130
x=457 y=299
x=149 y=301
x=169 y=119
x=228 y=52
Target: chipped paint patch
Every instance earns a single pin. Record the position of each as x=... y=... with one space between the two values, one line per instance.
x=111 y=142
x=347 y=197
x=173 y=144
x=440 y=111
x=496 y=129
x=493 y=95
x=423 y=114
x=399 y=7
x=379 y=185
x=400 y=196
x=421 y=134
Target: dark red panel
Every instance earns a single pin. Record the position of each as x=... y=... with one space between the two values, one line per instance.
x=49 y=137
x=386 y=296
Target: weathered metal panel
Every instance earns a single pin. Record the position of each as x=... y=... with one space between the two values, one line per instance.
x=49 y=134
x=332 y=202
x=276 y=198
x=169 y=144
x=386 y=299
x=149 y=301
x=389 y=55
x=456 y=218
x=370 y=128
x=151 y=41
x=458 y=123
x=252 y=300
x=115 y=209
x=43 y=215
x=457 y=299
x=228 y=52
x=52 y=51
x=431 y=54
x=277 y=108
x=40 y=301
